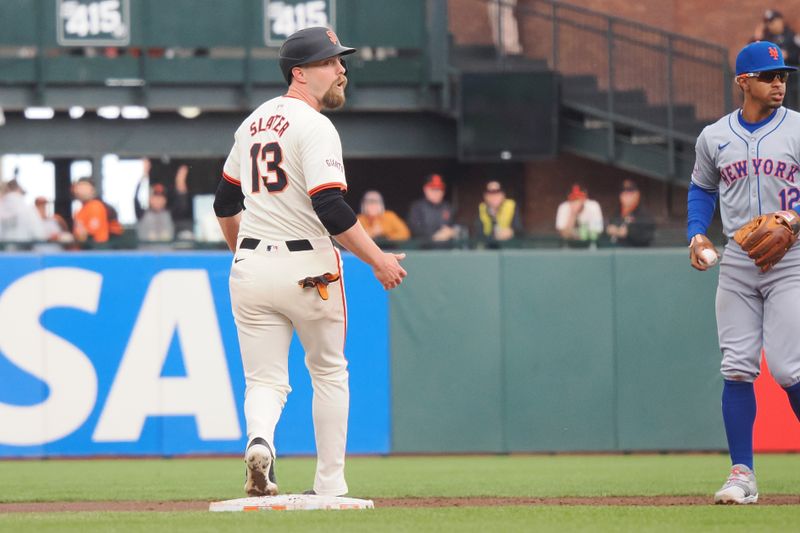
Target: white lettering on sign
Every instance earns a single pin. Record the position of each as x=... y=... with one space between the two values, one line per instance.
x=285 y=18
x=65 y=369
x=103 y=17
x=177 y=302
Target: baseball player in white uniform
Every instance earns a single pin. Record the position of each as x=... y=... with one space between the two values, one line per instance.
x=751 y=160
x=286 y=168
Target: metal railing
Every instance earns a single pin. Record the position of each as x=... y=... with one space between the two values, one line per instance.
x=622 y=72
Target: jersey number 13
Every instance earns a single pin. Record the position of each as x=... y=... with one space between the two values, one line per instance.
x=274 y=179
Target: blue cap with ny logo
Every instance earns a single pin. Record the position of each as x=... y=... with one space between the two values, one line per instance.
x=761 y=56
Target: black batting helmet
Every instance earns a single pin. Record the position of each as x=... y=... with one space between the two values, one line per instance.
x=309 y=45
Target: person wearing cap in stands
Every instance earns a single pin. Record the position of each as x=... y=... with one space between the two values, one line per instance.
x=431 y=218
x=498 y=216
x=773 y=28
x=633 y=225
x=381 y=223
x=579 y=219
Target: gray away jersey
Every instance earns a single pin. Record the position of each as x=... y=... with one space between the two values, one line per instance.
x=755 y=173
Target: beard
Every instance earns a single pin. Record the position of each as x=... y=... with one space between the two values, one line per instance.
x=334 y=97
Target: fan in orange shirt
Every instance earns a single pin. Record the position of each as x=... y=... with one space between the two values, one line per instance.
x=96 y=220
x=380 y=223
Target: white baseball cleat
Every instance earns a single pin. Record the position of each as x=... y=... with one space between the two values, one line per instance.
x=260 y=461
x=740 y=488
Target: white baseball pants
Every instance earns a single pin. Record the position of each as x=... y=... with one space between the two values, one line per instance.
x=268 y=306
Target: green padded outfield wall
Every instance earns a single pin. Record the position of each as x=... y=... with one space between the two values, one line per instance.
x=518 y=351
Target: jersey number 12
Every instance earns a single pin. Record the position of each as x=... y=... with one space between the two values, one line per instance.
x=275 y=179
x=789 y=197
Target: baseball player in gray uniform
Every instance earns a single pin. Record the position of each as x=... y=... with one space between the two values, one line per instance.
x=286 y=168
x=751 y=160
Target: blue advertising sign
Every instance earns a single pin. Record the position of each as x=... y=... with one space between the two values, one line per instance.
x=137 y=354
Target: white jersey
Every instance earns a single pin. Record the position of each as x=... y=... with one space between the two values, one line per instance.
x=590 y=218
x=19 y=221
x=284 y=152
x=755 y=172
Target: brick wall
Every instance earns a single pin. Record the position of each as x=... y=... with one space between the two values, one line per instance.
x=729 y=23
x=547 y=183
x=583 y=51
x=539 y=187
x=469 y=22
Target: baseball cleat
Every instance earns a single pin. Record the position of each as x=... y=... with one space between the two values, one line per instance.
x=260 y=472
x=740 y=488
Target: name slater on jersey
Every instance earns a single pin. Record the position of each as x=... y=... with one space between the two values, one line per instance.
x=762 y=167
x=276 y=123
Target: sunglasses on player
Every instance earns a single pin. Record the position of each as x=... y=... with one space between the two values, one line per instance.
x=768 y=76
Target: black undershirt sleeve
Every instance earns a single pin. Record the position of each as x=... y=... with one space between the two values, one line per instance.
x=228 y=199
x=333 y=211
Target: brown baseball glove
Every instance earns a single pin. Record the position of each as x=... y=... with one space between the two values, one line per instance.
x=767 y=238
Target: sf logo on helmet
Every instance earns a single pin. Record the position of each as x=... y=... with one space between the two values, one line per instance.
x=332 y=37
x=773 y=52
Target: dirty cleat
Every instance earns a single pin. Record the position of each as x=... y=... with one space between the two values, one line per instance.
x=740 y=488
x=260 y=471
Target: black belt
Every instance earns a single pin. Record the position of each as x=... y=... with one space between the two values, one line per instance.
x=301 y=245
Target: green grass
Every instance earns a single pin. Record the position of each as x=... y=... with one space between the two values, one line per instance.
x=561 y=475
x=376 y=477
x=486 y=519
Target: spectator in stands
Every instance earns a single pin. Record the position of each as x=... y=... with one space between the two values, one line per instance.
x=504 y=26
x=96 y=221
x=431 y=218
x=156 y=223
x=773 y=28
x=498 y=216
x=579 y=219
x=380 y=223
x=178 y=199
x=19 y=221
x=633 y=226
x=55 y=228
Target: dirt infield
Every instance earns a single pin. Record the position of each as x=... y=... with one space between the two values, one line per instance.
x=144 y=506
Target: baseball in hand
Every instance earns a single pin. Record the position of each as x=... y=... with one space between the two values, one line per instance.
x=709 y=257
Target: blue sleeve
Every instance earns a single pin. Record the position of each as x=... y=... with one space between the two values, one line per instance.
x=701 y=205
